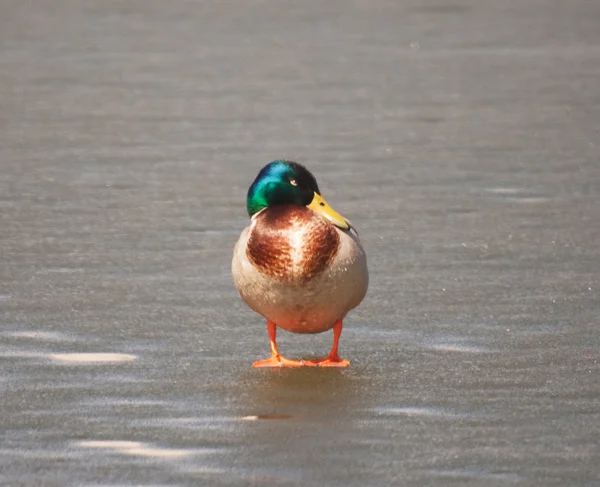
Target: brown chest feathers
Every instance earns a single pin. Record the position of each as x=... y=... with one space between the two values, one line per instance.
x=291 y=243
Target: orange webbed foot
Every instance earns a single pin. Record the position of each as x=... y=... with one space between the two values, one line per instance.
x=278 y=361
x=333 y=359
x=328 y=362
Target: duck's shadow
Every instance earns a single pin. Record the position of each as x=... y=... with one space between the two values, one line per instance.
x=301 y=392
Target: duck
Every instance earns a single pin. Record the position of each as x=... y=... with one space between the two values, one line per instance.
x=299 y=263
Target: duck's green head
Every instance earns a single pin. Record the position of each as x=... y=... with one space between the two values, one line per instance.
x=287 y=182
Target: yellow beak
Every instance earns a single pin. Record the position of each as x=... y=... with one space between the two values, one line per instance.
x=319 y=205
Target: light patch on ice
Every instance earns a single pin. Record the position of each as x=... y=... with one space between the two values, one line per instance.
x=420 y=411
x=37 y=335
x=414 y=411
x=504 y=191
x=136 y=448
x=456 y=348
x=145 y=451
x=256 y=417
x=517 y=195
x=114 y=445
x=529 y=199
x=90 y=358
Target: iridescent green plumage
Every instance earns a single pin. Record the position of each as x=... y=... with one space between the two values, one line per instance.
x=281 y=182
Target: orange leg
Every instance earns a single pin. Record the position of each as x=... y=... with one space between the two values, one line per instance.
x=276 y=360
x=333 y=359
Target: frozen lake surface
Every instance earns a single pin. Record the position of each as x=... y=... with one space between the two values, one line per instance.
x=461 y=138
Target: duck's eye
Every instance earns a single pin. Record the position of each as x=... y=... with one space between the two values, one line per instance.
x=322 y=204
x=293 y=182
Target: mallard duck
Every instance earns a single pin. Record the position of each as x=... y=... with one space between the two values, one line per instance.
x=299 y=263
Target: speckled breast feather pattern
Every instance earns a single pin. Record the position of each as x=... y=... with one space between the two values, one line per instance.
x=291 y=243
